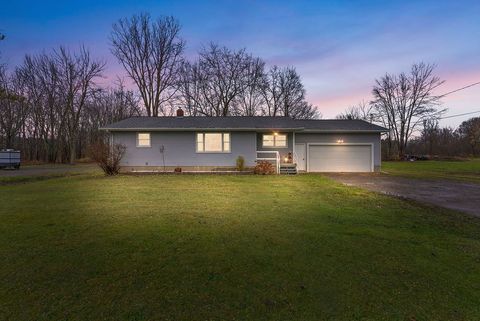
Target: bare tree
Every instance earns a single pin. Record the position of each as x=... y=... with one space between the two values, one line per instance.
x=429 y=134
x=106 y=106
x=214 y=85
x=13 y=107
x=151 y=53
x=225 y=82
x=251 y=99
x=40 y=78
x=61 y=106
x=284 y=94
x=76 y=76
x=305 y=110
x=223 y=78
x=192 y=85
x=272 y=92
x=362 y=110
x=403 y=101
x=293 y=93
x=470 y=131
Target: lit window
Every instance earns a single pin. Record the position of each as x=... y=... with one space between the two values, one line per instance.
x=278 y=140
x=213 y=142
x=268 y=140
x=143 y=140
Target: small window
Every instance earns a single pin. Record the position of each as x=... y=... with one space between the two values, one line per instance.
x=268 y=141
x=278 y=140
x=213 y=142
x=143 y=140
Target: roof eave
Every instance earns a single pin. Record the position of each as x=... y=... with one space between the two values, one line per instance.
x=344 y=131
x=196 y=129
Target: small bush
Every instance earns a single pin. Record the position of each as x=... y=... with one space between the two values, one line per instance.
x=107 y=157
x=264 y=168
x=177 y=170
x=240 y=163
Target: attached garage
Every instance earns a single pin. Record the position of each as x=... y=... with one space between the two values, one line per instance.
x=339 y=157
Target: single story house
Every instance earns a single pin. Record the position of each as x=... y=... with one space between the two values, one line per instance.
x=214 y=143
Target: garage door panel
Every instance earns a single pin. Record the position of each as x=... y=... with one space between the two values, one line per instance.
x=340 y=158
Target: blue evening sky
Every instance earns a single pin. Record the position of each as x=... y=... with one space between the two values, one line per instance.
x=338 y=47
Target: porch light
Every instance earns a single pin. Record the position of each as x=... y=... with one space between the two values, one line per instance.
x=339 y=141
x=286 y=159
x=275 y=133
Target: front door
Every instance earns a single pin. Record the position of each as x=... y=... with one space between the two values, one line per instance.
x=300 y=156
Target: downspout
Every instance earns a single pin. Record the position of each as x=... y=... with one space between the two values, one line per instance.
x=110 y=141
x=293 y=149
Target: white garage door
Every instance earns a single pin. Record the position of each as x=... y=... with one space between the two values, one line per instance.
x=340 y=158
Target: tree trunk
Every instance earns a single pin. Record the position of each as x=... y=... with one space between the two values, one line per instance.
x=73 y=149
x=401 y=151
x=8 y=140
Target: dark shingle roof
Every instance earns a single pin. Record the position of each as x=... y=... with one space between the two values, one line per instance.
x=338 y=125
x=240 y=123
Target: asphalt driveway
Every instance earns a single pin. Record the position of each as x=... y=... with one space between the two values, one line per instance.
x=464 y=197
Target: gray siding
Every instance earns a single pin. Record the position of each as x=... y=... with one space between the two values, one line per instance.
x=180 y=150
x=347 y=138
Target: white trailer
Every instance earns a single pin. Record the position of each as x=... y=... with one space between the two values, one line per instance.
x=9 y=158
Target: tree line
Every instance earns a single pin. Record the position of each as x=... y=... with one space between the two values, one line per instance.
x=52 y=104
x=406 y=105
x=220 y=82
x=447 y=141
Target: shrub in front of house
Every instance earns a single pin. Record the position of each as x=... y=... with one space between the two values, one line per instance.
x=107 y=156
x=240 y=163
x=264 y=168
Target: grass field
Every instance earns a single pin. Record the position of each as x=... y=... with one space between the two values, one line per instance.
x=230 y=247
x=31 y=173
x=455 y=170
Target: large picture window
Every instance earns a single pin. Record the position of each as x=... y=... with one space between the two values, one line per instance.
x=213 y=142
x=275 y=140
x=143 y=140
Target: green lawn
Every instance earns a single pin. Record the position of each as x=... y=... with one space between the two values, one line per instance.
x=31 y=173
x=455 y=170
x=230 y=248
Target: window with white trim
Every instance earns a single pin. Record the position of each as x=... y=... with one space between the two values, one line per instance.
x=143 y=140
x=213 y=142
x=274 y=140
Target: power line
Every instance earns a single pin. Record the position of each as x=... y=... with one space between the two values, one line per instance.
x=454 y=91
x=458 y=115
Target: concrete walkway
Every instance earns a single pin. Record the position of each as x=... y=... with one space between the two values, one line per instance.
x=464 y=197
